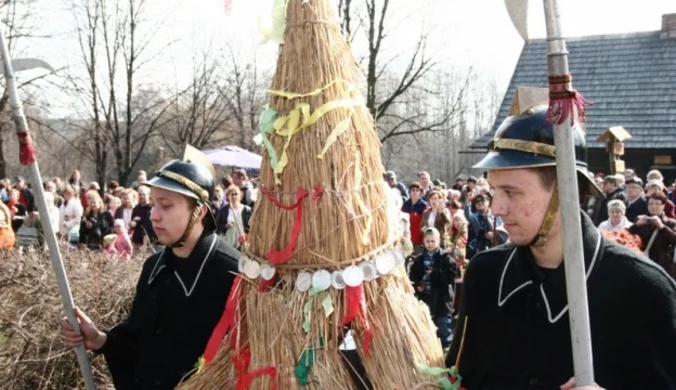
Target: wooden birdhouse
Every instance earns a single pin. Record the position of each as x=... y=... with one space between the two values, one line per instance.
x=614 y=138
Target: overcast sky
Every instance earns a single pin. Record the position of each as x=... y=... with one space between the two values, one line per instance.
x=464 y=32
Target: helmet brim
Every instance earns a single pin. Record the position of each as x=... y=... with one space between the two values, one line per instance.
x=512 y=159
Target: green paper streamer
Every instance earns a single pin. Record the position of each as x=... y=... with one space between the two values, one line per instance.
x=327 y=304
x=306 y=310
x=302 y=369
x=443 y=382
x=267 y=119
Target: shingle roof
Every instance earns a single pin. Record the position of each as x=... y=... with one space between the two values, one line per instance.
x=629 y=78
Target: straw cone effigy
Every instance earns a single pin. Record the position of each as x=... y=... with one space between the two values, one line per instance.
x=324 y=253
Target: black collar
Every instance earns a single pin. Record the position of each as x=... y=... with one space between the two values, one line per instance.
x=520 y=272
x=197 y=258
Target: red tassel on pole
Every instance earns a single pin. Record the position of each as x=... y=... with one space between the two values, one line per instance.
x=564 y=101
x=26 y=148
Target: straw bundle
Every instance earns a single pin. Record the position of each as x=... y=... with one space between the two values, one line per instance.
x=329 y=196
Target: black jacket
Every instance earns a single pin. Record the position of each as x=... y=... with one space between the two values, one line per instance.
x=171 y=319
x=101 y=225
x=518 y=333
x=639 y=207
x=222 y=218
x=442 y=278
x=143 y=227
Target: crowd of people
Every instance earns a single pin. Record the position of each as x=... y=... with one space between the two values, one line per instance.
x=112 y=219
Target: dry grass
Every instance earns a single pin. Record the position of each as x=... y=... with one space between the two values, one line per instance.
x=32 y=352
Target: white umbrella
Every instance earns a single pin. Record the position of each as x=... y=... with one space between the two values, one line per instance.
x=234 y=156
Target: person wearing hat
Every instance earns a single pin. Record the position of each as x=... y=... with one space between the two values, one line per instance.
x=655 y=185
x=617 y=220
x=391 y=179
x=513 y=328
x=180 y=294
x=433 y=274
x=657 y=232
x=636 y=203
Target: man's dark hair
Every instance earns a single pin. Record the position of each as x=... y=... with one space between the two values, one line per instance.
x=610 y=179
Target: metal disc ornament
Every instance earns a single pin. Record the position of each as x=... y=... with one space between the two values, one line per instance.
x=386 y=262
x=303 y=281
x=353 y=276
x=268 y=271
x=241 y=263
x=369 y=270
x=337 y=280
x=252 y=269
x=321 y=280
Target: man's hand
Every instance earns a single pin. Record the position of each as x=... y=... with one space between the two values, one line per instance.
x=92 y=337
x=570 y=385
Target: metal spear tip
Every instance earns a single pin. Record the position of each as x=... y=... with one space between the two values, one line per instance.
x=20 y=64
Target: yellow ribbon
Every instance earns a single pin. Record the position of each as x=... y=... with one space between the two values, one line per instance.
x=358 y=176
x=300 y=118
x=296 y=95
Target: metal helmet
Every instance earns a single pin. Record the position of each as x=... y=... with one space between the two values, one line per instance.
x=189 y=179
x=527 y=141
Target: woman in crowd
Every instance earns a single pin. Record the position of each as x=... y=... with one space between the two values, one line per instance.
x=233 y=219
x=437 y=216
x=415 y=207
x=7 y=238
x=17 y=210
x=71 y=215
x=127 y=208
x=458 y=240
x=657 y=233
x=96 y=223
x=617 y=221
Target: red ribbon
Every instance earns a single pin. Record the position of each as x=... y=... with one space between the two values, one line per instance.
x=241 y=362
x=356 y=306
x=226 y=323
x=26 y=148
x=266 y=285
x=282 y=256
x=562 y=99
x=317 y=193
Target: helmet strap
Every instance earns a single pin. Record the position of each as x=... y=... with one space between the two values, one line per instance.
x=547 y=223
x=191 y=224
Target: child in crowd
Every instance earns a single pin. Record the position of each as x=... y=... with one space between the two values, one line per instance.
x=109 y=246
x=433 y=274
x=122 y=240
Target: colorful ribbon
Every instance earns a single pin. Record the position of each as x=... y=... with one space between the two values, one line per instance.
x=450 y=378
x=241 y=362
x=305 y=362
x=265 y=125
x=358 y=176
x=271 y=27
x=266 y=285
x=26 y=148
x=317 y=193
x=356 y=306
x=226 y=323
x=282 y=256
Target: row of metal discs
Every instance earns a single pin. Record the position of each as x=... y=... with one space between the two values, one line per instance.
x=321 y=280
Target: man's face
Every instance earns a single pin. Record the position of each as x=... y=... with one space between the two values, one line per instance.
x=424 y=180
x=470 y=185
x=414 y=192
x=480 y=204
x=608 y=187
x=50 y=187
x=170 y=215
x=143 y=194
x=19 y=185
x=237 y=180
x=634 y=191
x=521 y=201
x=392 y=181
x=431 y=242
x=628 y=174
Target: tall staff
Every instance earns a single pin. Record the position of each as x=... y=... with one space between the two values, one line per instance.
x=27 y=157
x=566 y=108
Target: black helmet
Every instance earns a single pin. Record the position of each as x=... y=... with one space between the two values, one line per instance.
x=527 y=141
x=186 y=178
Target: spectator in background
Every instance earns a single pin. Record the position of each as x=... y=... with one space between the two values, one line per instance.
x=112 y=186
x=391 y=179
x=7 y=238
x=657 y=232
x=122 y=241
x=655 y=185
x=218 y=202
x=54 y=212
x=619 y=178
x=612 y=191
x=636 y=203
x=233 y=219
x=459 y=239
x=469 y=188
x=459 y=184
x=50 y=186
x=25 y=194
x=75 y=181
x=141 y=177
x=71 y=215
x=125 y=211
x=17 y=210
x=655 y=175
x=454 y=207
x=617 y=221
x=415 y=206
x=484 y=229
x=425 y=183
x=629 y=174
x=437 y=216
x=4 y=192
x=96 y=223
x=140 y=219
x=240 y=179
x=60 y=185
